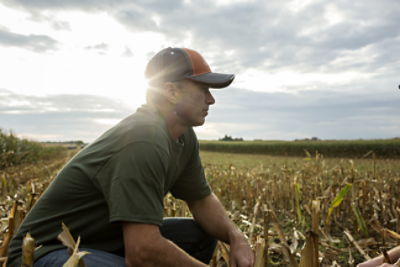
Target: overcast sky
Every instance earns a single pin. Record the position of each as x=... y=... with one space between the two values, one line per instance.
x=71 y=69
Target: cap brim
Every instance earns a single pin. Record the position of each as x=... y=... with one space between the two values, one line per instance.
x=214 y=80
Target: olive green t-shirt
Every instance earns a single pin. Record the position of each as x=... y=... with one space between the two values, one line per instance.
x=122 y=176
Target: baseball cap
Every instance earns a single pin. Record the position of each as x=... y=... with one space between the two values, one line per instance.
x=174 y=64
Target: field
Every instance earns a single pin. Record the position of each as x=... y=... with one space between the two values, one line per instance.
x=385 y=148
x=16 y=151
x=297 y=194
x=26 y=170
x=304 y=211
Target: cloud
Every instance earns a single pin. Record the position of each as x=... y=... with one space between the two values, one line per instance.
x=314 y=37
x=36 y=43
x=325 y=114
x=51 y=18
x=271 y=36
x=237 y=112
x=101 y=49
x=136 y=20
x=336 y=63
x=64 y=117
x=101 y=46
x=38 y=6
x=127 y=53
x=60 y=25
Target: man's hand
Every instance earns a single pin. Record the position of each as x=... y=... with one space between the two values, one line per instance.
x=374 y=265
x=240 y=254
x=394 y=256
x=211 y=216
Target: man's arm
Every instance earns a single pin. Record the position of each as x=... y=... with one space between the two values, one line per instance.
x=145 y=246
x=211 y=216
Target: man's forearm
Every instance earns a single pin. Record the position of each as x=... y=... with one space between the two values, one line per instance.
x=144 y=246
x=212 y=217
x=165 y=253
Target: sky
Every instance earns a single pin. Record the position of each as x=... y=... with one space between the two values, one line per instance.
x=71 y=69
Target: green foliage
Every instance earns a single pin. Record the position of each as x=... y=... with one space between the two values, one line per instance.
x=338 y=200
x=360 y=220
x=14 y=150
x=389 y=148
x=298 y=206
x=340 y=196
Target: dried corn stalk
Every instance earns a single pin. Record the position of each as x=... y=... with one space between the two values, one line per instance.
x=66 y=238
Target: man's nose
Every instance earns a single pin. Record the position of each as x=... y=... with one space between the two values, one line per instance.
x=210 y=100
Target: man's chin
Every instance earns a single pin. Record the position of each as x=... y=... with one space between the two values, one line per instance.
x=199 y=123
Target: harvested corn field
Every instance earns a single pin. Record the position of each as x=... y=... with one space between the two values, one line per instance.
x=316 y=212
x=307 y=211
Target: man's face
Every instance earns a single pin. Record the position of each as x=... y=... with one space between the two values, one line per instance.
x=193 y=103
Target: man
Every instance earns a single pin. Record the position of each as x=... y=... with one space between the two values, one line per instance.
x=111 y=193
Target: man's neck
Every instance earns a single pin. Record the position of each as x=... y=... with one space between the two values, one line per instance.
x=175 y=129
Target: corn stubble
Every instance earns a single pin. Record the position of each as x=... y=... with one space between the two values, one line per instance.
x=21 y=186
x=307 y=214
x=310 y=213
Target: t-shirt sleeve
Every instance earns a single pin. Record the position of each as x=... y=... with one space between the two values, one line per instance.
x=192 y=183
x=132 y=182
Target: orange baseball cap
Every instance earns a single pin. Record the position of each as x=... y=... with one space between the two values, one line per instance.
x=174 y=64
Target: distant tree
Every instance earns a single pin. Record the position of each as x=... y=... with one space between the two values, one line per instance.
x=229 y=138
x=308 y=139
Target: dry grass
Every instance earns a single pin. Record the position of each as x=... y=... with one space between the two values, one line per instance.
x=21 y=186
x=250 y=186
x=280 y=203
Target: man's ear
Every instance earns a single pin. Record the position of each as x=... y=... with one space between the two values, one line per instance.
x=170 y=92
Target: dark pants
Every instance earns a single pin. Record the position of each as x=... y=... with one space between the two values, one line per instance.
x=184 y=232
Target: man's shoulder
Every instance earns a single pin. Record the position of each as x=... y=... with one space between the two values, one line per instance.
x=144 y=125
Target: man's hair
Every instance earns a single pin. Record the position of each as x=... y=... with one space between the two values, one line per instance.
x=154 y=94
